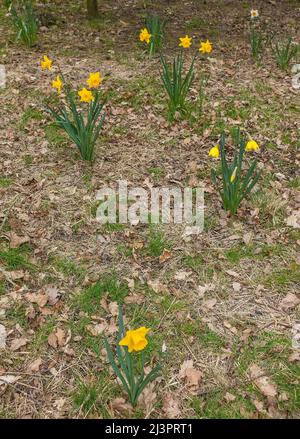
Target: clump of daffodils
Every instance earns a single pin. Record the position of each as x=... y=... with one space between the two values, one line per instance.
x=83 y=125
x=259 y=38
x=128 y=361
x=235 y=184
x=177 y=83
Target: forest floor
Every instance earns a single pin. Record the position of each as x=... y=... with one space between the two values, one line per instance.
x=222 y=305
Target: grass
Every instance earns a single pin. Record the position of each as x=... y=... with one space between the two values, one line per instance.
x=94 y=396
x=271 y=207
x=193 y=262
x=281 y=278
x=156 y=244
x=54 y=135
x=205 y=337
x=16 y=314
x=41 y=335
x=89 y=299
x=2 y=287
x=5 y=182
x=214 y=406
x=28 y=159
x=69 y=268
x=30 y=114
x=156 y=173
x=16 y=258
x=271 y=351
x=256 y=252
x=138 y=92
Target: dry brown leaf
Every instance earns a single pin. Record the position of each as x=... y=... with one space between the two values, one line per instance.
x=289 y=301
x=229 y=397
x=191 y=375
x=69 y=351
x=18 y=343
x=9 y=379
x=232 y=273
x=259 y=405
x=96 y=329
x=209 y=304
x=15 y=240
x=119 y=405
x=34 y=366
x=193 y=181
x=294 y=219
x=104 y=304
x=294 y=357
x=16 y=275
x=53 y=294
x=52 y=340
x=60 y=335
x=236 y=287
x=112 y=327
x=182 y=275
x=248 y=238
x=134 y=298
x=157 y=286
x=40 y=299
x=165 y=256
x=113 y=308
x=171 y=406
x=130 y=283
x=263 y=382
x=147 y=398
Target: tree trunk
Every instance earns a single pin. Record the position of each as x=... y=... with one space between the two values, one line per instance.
x=92 y=8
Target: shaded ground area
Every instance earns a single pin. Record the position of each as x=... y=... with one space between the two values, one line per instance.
x=227 y=300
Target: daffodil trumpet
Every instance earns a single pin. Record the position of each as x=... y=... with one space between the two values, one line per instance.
x=129 y=350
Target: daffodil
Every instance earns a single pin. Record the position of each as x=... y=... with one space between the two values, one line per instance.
x=185 y=42
x=214 y=152
x=57 y=84
x=94 y=80
x=86 y=95
x=252 y=146
x=205 y=47
x=233 y=175
x=145 y=35
x=46 y=63
x=254 y=13
x=135 y=340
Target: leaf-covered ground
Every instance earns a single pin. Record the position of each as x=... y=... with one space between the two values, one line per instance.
x=223 y=305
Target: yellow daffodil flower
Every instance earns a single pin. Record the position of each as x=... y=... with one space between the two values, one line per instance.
x=94 y=80
x=185 y=42
x=254 y=13
x=86 y=95
x=46 y=63
x=214 y=152
x=252 y=146
x=205 y=47
x=135 y=340
x=233 y=175
x=57 y=84
x=145 y=35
